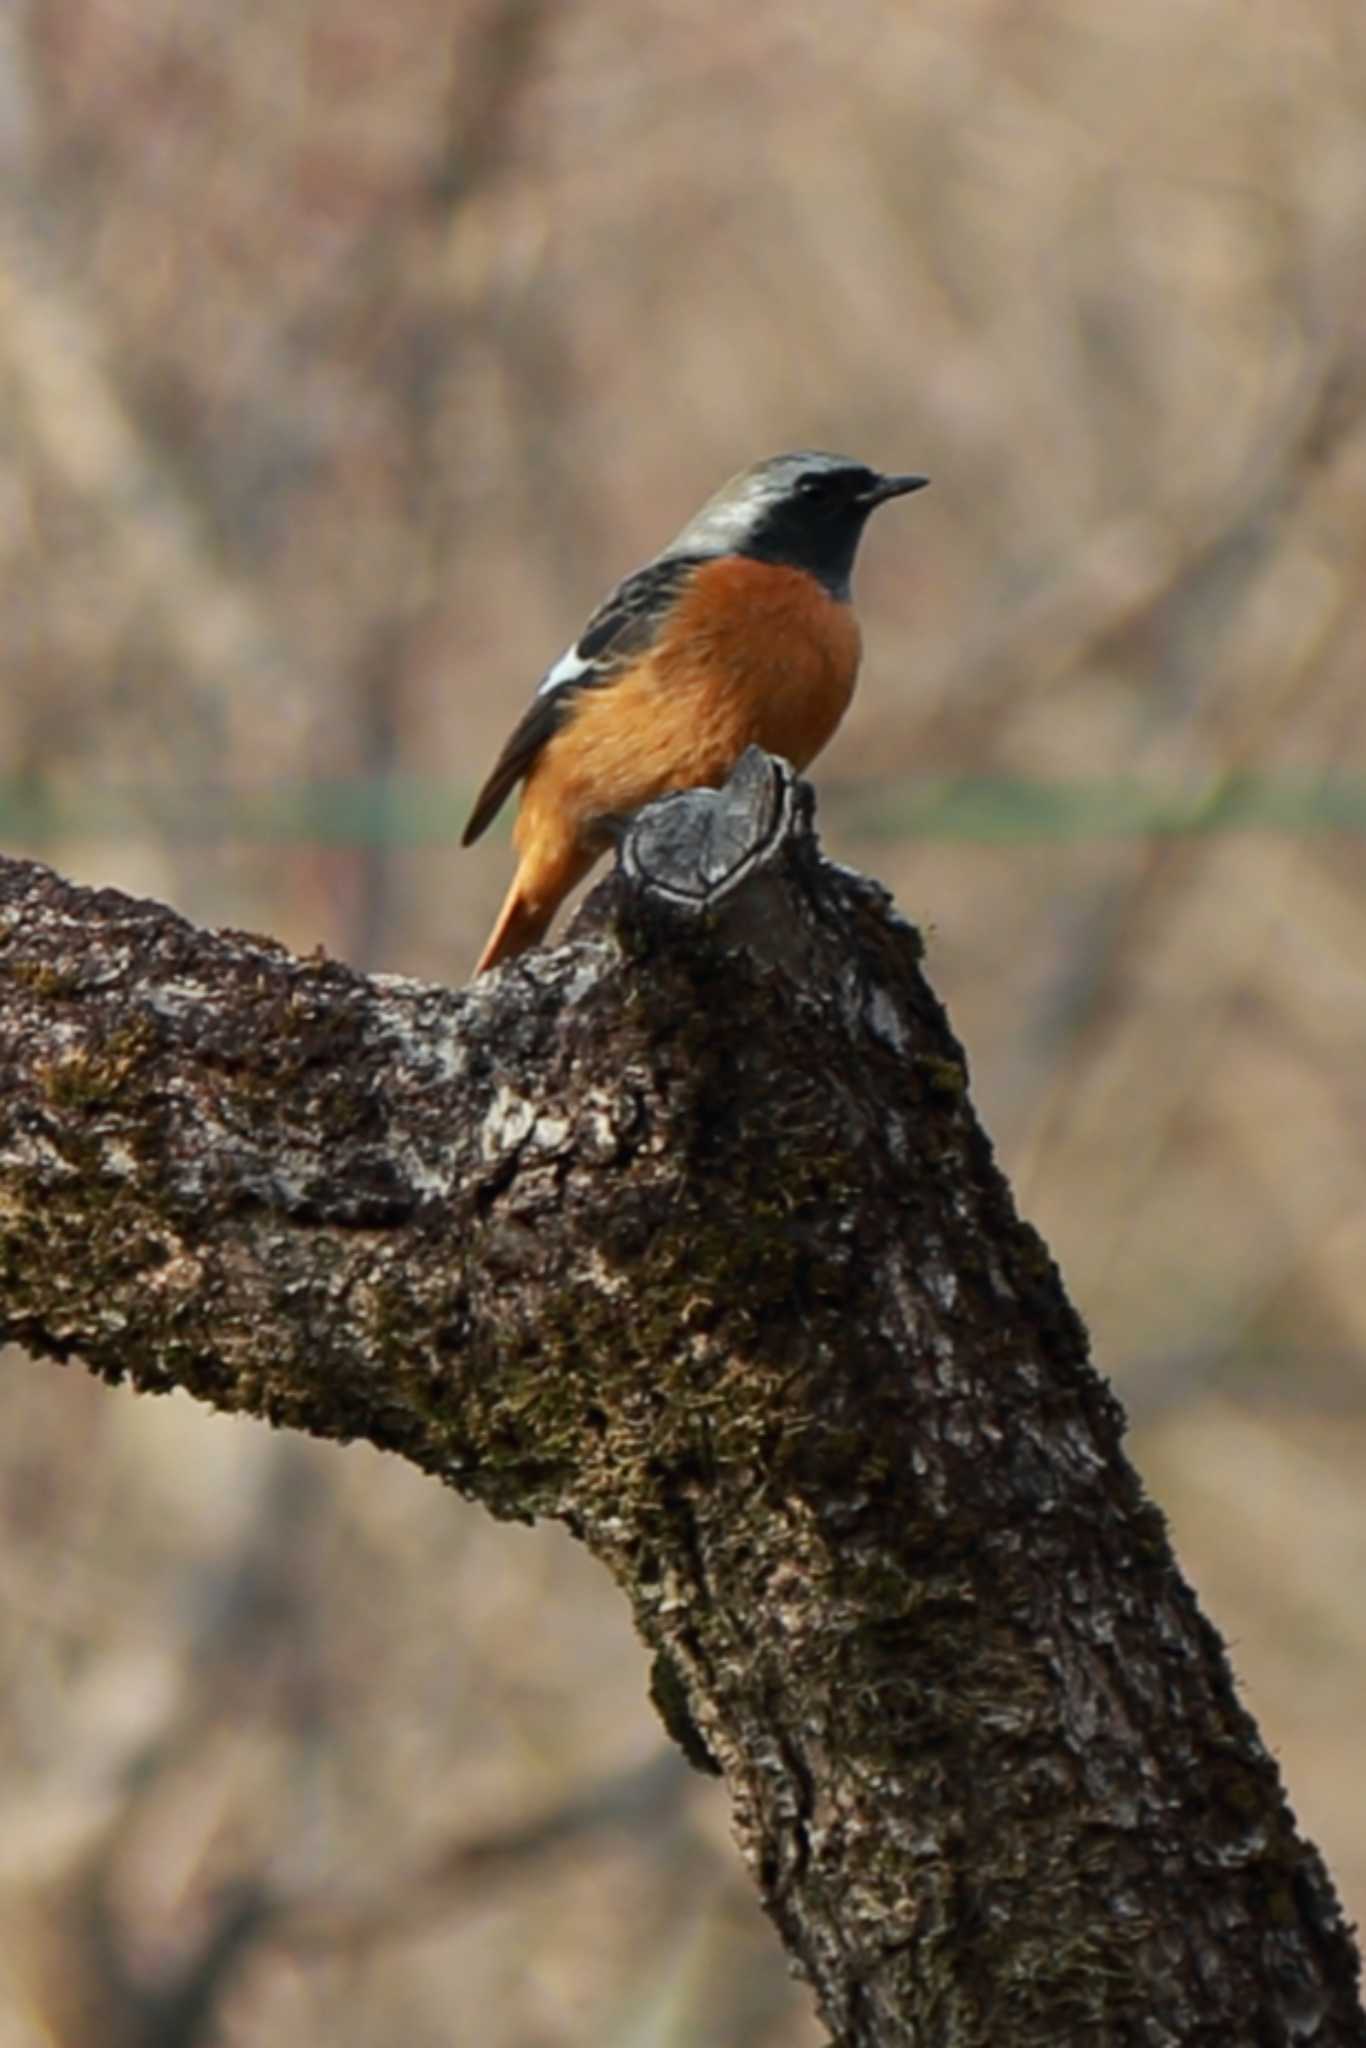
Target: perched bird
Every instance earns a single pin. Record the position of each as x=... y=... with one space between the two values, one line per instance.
x=739 y=632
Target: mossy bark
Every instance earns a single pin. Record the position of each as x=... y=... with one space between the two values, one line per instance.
x=686 y=1234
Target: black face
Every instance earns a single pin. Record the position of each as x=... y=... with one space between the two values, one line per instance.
x=817 y=524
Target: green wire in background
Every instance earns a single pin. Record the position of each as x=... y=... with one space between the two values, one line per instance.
x=412 y=811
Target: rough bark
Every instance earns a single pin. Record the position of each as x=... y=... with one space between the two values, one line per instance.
x=686 y=1234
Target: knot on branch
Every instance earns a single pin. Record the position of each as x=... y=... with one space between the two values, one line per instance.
x=697 y=847
x=743 y=856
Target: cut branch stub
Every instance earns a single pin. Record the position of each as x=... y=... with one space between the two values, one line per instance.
x=697 y=847
x=740 y=865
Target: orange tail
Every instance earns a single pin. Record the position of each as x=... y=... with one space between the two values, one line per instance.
x=520 y=923
x=548 y=870
x=555 y=853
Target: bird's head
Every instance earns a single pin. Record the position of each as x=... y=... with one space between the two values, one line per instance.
x=807 y=510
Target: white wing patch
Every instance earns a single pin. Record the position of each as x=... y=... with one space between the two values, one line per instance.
x=567 y=669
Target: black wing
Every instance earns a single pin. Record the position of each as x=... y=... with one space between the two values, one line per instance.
x=625 y=623
x=543 y=717
x=621 y=628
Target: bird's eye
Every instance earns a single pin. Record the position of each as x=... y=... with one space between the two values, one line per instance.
x=818 y=485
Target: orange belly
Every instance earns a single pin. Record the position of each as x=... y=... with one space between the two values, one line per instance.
x=754 y=654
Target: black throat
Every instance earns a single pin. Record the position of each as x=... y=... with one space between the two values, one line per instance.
x=822 y=539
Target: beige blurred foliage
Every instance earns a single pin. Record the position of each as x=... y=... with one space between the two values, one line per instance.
x=346 y=355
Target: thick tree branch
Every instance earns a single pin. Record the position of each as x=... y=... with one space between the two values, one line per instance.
x=686 y=1234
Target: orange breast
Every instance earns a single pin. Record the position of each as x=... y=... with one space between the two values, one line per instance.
x=753 y=653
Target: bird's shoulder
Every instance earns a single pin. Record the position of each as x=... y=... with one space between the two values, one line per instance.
x=623 y=625
x=616 y=634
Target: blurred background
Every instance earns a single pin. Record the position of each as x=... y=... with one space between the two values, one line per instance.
x=348 y=355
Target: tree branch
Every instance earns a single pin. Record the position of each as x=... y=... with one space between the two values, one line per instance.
x=686 y=1234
